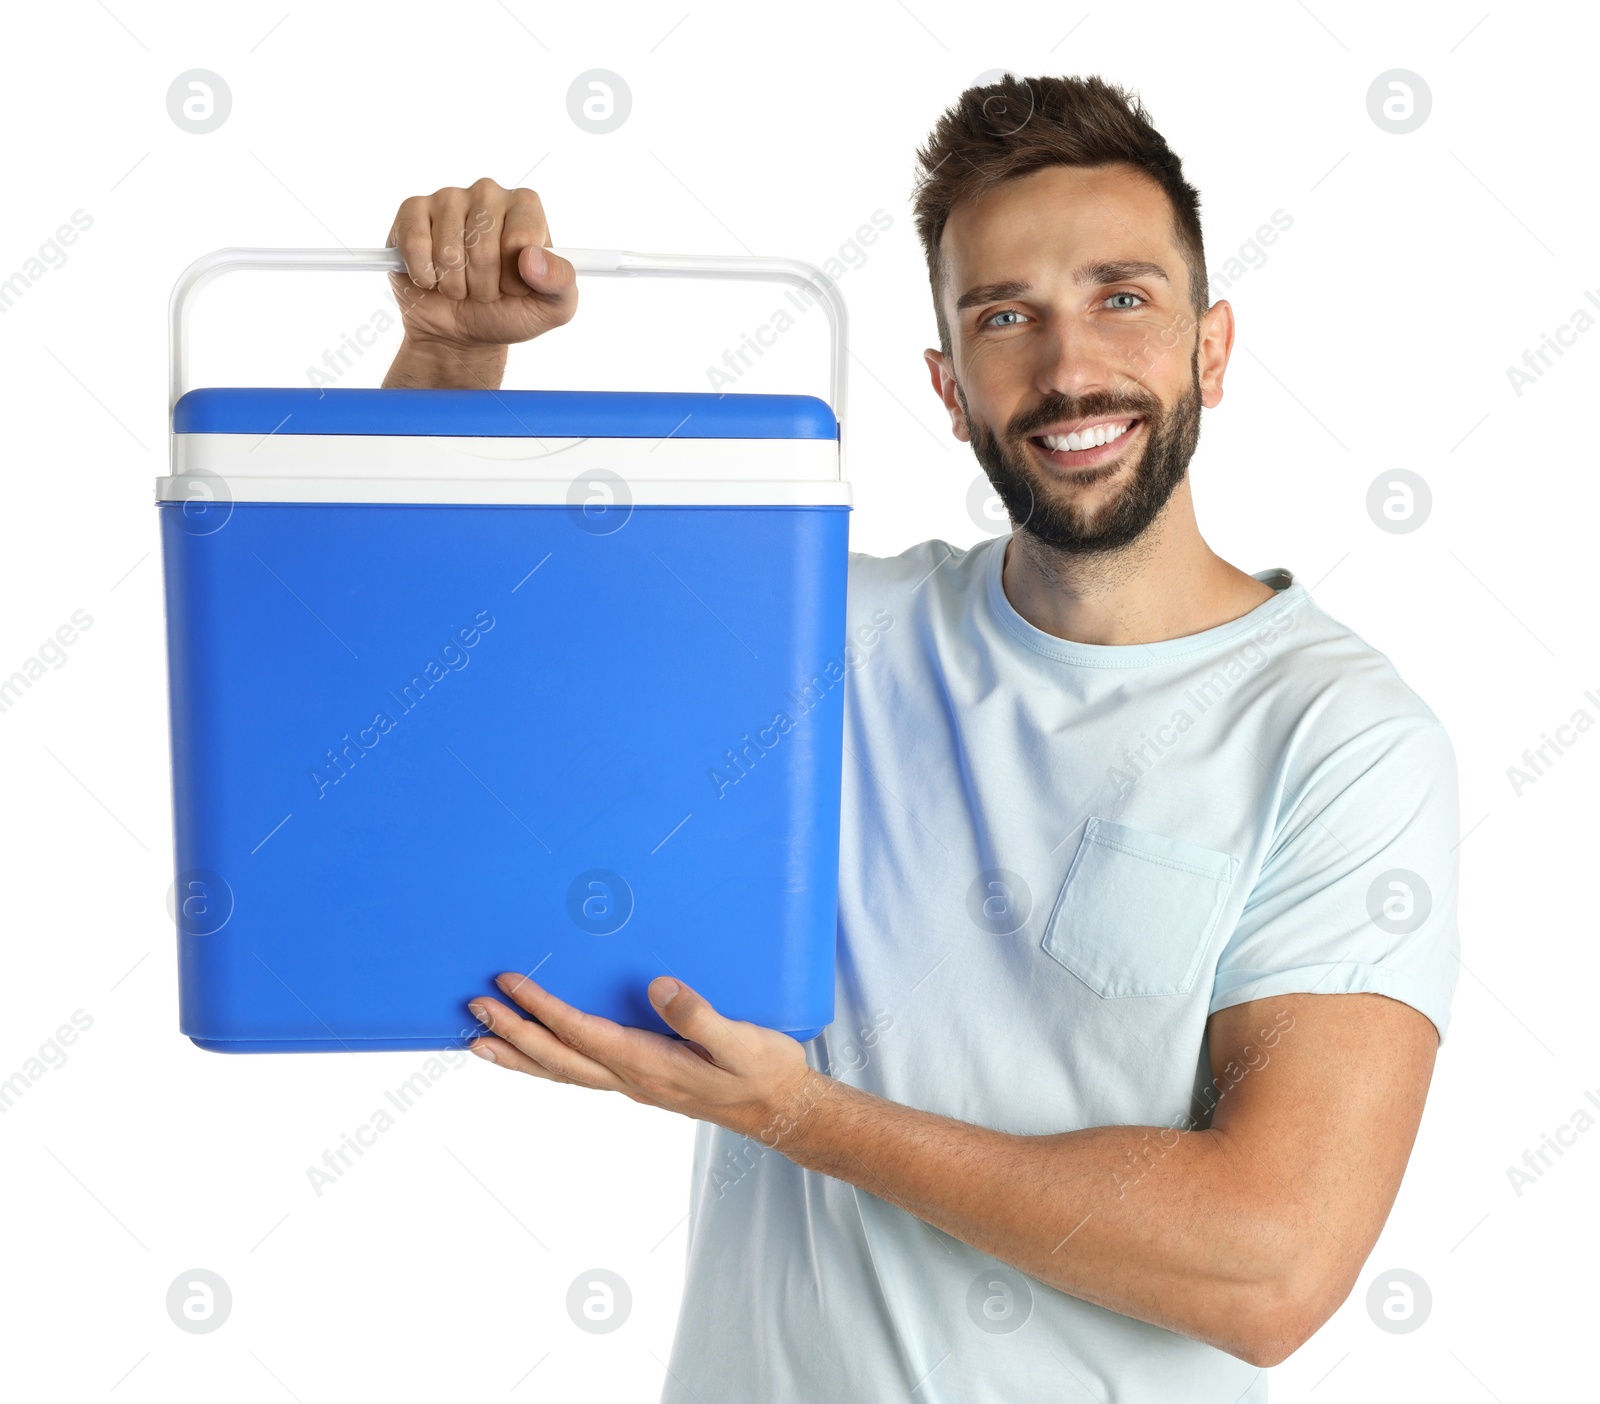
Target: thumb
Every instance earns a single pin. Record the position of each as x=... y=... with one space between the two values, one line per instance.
x=690 y=1014
x=546 y=272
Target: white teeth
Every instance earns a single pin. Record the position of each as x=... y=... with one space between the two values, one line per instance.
x=1089 y=438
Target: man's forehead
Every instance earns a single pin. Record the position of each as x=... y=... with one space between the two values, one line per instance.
x=1095 y=224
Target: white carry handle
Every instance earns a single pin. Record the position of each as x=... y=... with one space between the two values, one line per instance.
x=613 y=263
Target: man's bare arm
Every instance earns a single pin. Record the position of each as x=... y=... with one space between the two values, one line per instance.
x=1247 y=1234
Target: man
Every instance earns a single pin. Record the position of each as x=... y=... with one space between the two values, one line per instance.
x=1147 y=884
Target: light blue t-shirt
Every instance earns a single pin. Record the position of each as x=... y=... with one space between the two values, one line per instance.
x=1057 y=860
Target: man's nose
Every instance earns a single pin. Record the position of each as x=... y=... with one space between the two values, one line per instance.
x=1076 y=363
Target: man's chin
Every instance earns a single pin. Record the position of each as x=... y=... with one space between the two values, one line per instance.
x=1089 y=495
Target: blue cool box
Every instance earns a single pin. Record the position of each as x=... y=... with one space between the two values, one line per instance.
x=473 y=681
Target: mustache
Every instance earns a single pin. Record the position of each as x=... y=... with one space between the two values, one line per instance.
x=1055 y=408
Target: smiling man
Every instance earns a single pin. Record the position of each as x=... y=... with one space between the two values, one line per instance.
x=1147 y=871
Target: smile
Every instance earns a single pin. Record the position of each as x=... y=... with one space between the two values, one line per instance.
x=1087 y=445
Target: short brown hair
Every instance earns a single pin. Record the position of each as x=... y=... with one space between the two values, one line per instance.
x=1021 y=125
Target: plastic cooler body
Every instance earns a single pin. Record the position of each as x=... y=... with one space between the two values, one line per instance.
x=418 y=742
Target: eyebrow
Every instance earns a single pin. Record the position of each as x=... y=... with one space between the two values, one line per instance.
x=1085 y=275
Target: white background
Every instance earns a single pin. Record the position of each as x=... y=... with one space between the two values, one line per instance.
x=1377 y=335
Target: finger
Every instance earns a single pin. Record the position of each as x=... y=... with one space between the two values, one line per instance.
x=507 y=1055
x=524 y=227
x=482 y=239
x=413 y=236
x=690 y=1015
x=572 y=1026
x=448 y=220
x=542 y=1045
x=633 y=1056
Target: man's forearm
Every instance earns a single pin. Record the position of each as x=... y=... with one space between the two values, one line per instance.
x=435 y=365
x=1172 y=1228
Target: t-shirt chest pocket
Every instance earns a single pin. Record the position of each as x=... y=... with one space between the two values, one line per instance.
x=1138 y=910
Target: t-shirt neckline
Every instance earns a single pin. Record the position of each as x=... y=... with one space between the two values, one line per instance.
x=1290 y=594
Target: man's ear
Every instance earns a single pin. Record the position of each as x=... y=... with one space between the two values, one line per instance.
x=1215 y=346
x=944 y=386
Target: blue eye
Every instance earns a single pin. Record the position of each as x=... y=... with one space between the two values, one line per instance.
x=1128 y=305
x=1009 y=312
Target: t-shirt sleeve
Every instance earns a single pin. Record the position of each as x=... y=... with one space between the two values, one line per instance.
x=1357 y=893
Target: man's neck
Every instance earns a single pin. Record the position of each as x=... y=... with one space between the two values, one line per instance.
x=1166 y=585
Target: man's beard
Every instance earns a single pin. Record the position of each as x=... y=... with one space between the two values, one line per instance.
x=1038 y=507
